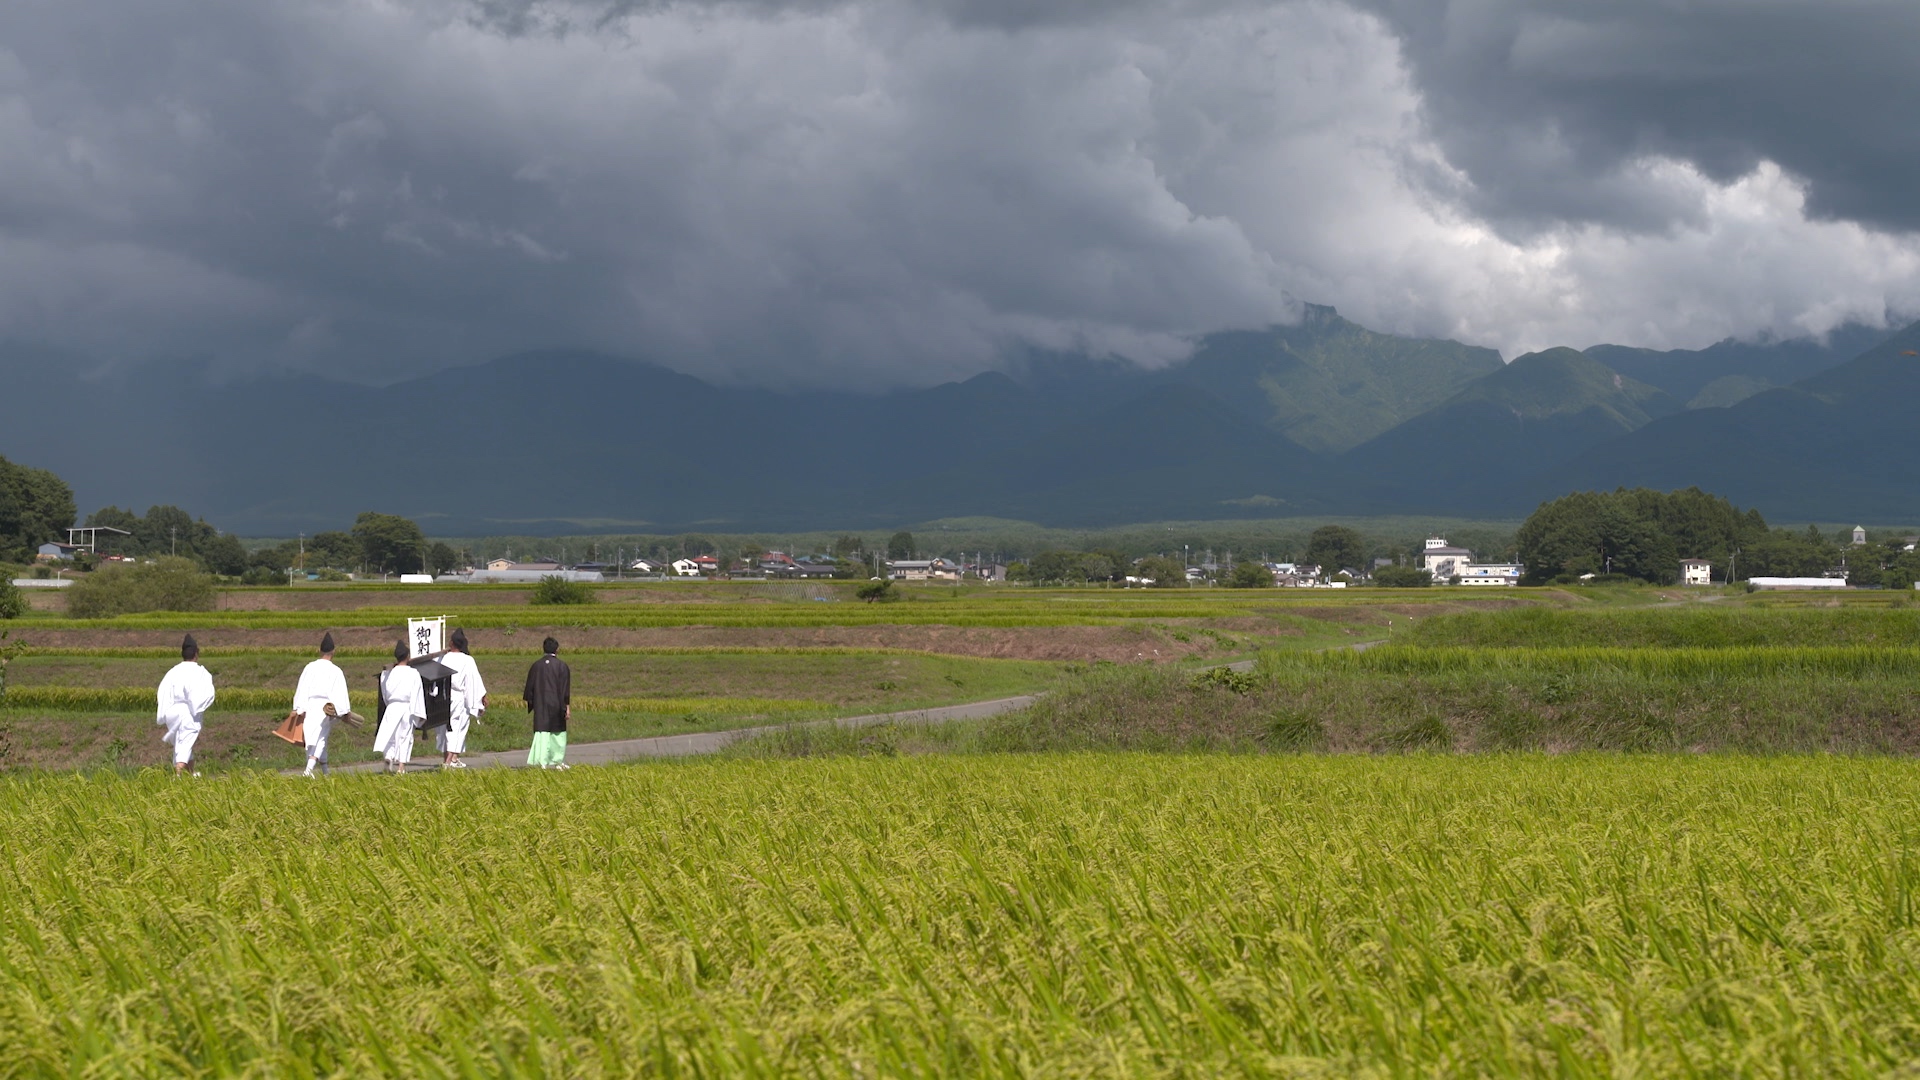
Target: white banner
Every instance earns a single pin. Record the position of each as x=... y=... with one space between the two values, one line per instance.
x=426 y=636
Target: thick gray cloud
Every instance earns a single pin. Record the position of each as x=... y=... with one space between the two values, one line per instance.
x=1553 y=107
x=885 y=192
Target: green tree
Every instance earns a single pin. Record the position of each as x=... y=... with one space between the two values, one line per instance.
x=847 y=545
x=389 y=543
x=1250 y=575
x=224 y=554
x=1336 y=547
x=1165 y=573
x=1783 y=553
x=558 y=590
x=13 y=602
x=900 y=545
x=1639 y=533
x=336 y=549
x=113 y=517
x=35 y=507
x=441 y=558
x=1402 y=577
x=168 y=583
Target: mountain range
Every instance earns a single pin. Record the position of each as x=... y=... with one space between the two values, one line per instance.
x=1322 y=417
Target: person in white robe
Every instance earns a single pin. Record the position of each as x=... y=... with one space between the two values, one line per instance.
x=322 y=683
x=184 y=696
x=406 y=698
x=468 y=700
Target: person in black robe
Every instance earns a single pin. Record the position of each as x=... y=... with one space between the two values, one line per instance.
x=549 y=697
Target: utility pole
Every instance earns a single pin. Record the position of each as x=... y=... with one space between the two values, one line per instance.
x=173 y=543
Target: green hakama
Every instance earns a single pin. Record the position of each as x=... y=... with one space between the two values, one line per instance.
x=549 y=748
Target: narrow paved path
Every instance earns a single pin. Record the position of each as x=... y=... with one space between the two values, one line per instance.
x=708 y=742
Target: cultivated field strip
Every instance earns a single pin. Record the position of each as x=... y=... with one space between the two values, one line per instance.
x=1024 y=608
x=990 y=916
x=1695 y=626
x=1730 y=662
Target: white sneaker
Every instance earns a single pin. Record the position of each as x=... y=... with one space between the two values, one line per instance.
x=563 y=767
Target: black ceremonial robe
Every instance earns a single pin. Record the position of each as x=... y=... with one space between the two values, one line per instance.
x=549 y=692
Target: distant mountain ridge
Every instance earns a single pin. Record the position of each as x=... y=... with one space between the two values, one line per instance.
x=1322 y=417
x=1543 y=407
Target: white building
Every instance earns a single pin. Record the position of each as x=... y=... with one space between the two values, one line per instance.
x=686 y=568
x=1443 y=560
x=1797 y=582
x=1696 y=572
x=923 y=570
x=1491 y=573
x=1859 y=536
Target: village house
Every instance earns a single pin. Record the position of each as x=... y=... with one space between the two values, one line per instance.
x=923 y=570
x=1696 y=572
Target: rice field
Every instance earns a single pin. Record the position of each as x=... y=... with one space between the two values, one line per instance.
x=94 y=708
x=749 y=605
x=1756 y=621
x=973 y=915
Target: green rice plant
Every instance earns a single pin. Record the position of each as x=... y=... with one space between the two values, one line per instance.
x=1693 y=626
x=1514 y=916
x=1731 y=662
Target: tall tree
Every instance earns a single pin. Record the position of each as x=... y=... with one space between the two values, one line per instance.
x=35 y=507
x=900 y=545
x=1336 y=547
x=441 y=558
x=390 y=543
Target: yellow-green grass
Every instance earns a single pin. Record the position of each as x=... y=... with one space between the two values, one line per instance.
x=264 y=680
x=1692 y=625
x=91 y=712
x=1396 y=699
x=53 y=740
x=978 y=915
x=1749 y=662
x=978 y=607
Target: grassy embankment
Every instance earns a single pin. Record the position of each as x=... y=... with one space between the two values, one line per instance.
x=1706 y=678
x=1079 y=915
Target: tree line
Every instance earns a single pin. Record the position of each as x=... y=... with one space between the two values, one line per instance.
x=1642 y=535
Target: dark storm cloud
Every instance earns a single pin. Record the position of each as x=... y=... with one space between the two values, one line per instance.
x=884 y=192
x=1551 y=107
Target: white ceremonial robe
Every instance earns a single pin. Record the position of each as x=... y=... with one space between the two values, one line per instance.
x=406 y=700
x=185 y=695
x=321 y=683
x=465 y=701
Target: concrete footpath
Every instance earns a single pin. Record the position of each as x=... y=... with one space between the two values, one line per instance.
x=701 y=742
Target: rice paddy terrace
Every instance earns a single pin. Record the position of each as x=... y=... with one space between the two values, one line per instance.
x=1553 y=833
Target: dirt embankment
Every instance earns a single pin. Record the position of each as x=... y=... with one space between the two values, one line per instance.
x=1119 y=644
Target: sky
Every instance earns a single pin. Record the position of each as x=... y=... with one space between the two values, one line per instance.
x=882 y=193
